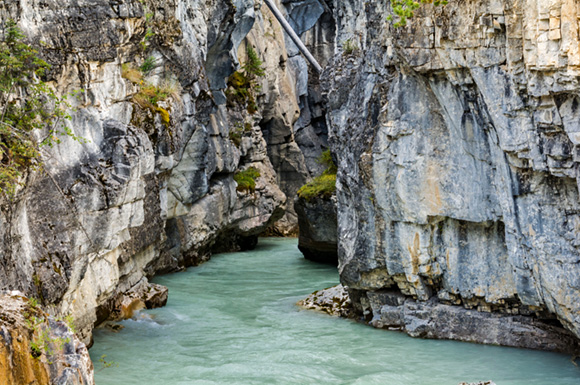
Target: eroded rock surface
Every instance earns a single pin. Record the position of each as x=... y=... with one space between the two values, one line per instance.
x=151 y=189
x=333 y=301
x=456 y=141
x=318 y=227
x=435 y=320
x=38 y=349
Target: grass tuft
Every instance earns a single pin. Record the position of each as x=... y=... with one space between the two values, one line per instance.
x=131 y=73
x=324 y=185
x=246 y=179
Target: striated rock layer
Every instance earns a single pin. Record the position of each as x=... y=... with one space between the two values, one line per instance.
x=457 y=146
x=151 y=188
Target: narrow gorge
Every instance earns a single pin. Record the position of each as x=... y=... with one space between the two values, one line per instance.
x=193 y=124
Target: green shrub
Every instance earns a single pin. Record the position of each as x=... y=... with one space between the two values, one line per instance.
x=325 y=159
x=148 y=65
x=242 y=85
x=246 y=179
x=26 y=104
x=253 y=66
x=349 y=47
x=238 y=132
x=324 y=185
x=405 y=9
x=149 y=96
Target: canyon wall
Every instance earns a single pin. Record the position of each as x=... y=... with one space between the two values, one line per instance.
x=456 y=139
x=150 y=186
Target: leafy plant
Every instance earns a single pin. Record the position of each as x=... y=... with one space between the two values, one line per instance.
x=27 y=104
x=246 y=179
x=148 y=97
x=243 y=85
x=324 y=185
x=253 y=66
x=42 y=342
x=238 y=132
x=349 y=47
x=33 y=302
x=148 y=65
x=405 y=9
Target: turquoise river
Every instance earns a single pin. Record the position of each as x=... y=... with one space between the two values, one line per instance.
x=234 y=320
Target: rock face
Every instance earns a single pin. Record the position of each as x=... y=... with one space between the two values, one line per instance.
x=317 y=223
x=433 y=319
x=37 y=349
x=457 y=146
x=151 y=189
x=294 y=145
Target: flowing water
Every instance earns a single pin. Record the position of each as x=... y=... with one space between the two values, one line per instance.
x=234 y=321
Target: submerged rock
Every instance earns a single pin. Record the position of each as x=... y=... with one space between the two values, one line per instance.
x=478 y=383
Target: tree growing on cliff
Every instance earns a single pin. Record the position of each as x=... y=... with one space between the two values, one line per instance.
x=405 y=9
x=27 y=104
x=243 y=84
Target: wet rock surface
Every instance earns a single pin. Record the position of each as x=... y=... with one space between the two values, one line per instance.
x=436 y=320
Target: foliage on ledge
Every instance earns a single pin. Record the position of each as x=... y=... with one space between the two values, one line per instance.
x=243 y=84
x=246 y=179
x=405 y=9
x=27 y=104
x=324 y=185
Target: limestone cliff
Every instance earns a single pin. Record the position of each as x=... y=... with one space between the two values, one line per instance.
x=295 y=145
x=151 y=188
x=457 y=146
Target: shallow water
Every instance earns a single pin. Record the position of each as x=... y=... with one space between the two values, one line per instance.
x=234 y=321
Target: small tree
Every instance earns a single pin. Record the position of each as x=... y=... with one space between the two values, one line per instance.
x=26 y=104
x=243 y=84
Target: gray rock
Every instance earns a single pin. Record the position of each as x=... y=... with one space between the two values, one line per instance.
x=318 y=226
x=478 y=383
x=435 y=320
x=141 y=195
x=333 y=301
x=456 y=161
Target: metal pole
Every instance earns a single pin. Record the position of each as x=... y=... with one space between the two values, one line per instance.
x=293 y=35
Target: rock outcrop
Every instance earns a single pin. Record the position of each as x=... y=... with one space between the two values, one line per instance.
x=151 y=187
x=333 y=301
x=317 y=229
x=38 y=349
x=457 y=146
x=433 y=319
x=294 y=145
